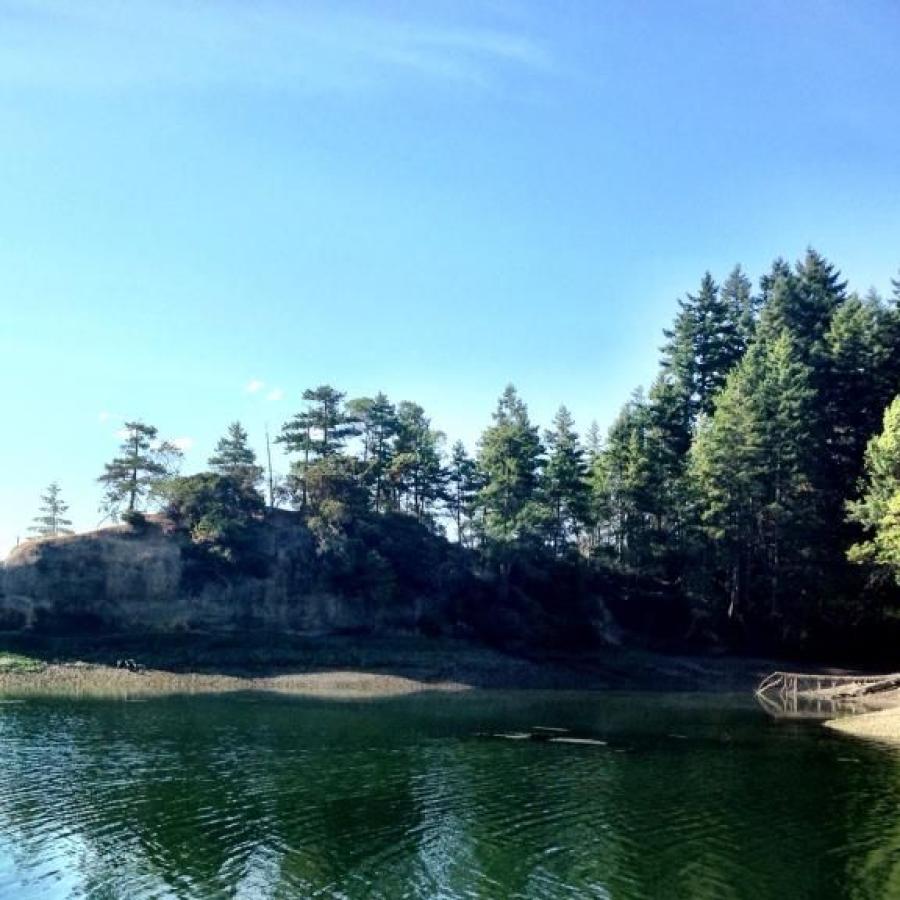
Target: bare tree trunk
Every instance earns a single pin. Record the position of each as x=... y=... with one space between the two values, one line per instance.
x=269 y=459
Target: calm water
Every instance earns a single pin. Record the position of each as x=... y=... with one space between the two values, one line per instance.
x=258 y=796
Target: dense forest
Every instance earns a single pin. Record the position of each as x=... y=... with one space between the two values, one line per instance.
x=751 y=497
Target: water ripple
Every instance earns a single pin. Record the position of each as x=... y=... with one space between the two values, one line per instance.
x=209 y=798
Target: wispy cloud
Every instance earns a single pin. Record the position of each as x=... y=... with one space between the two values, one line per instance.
x=276 y=394
x=311 y=46
x=254 y=386
x=183 y=443
x=103 y=417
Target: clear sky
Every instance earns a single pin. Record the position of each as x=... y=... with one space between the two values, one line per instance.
x=209 y=205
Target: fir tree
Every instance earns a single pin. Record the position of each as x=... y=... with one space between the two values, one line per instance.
x=618 y=480
x=234 y=458
x=704 y=344
x=753 y=471
x=802 y=302
x=51 y=520
x=742 y=311
x=565 y=488
x=510 y=457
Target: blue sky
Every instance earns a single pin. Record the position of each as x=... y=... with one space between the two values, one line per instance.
x=427 y=198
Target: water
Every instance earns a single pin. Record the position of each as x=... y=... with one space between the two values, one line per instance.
x=256 y=796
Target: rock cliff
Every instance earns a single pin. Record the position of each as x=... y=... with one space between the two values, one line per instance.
x=154 y=578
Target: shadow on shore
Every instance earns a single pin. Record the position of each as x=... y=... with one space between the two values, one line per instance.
x=416 y=657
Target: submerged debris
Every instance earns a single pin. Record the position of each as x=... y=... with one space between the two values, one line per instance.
x=544 y=734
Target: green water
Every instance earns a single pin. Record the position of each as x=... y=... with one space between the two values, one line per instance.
x=259 y=796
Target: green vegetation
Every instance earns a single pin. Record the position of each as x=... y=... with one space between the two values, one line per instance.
x=16 y=662
x=141 y=468
x=878 y=511
x=735 y=501
x=51 y=521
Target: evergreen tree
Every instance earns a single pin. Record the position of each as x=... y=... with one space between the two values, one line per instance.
x=235 y=458
x=318 y=432
x=510 y=457
x=858 y=384
x=217 y=509
x=878 y=509
x=330 y=421
x=416 y=472
x=617 y=480
x=705 y=343
x=802 y=302
x=142 y=466
x=742 y=311
x=377 y=418
x=754 y=472
x=565 y=481
x=463 y=485
x=665 y=449
x=52 y=521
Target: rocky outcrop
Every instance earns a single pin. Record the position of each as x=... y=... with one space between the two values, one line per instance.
x=153 y=578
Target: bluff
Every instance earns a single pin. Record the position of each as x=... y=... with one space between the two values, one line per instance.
x=392 y=578
x=385 y=574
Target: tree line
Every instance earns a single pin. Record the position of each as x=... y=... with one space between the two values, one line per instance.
x=758 y=478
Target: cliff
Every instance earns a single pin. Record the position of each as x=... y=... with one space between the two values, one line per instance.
x=155 y=578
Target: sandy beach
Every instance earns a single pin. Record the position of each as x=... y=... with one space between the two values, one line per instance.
x=883 y=724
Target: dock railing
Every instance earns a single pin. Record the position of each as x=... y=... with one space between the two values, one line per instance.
x=816 y=695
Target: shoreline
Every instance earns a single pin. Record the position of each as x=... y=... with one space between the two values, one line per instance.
x=86 y=680
x=352 y=667
x=881 y=725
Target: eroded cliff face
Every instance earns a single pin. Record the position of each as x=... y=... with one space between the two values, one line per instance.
x=150 y=579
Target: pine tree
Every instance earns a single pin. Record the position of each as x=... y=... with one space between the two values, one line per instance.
x=462 y=489
x=704 y=344
x=52 y=521
x=754 y=472
x=142 y=466
x=618 y=480
x=377 y=419
x=878 y=509
x=565 y=488
x=416 y=472
x=802 y=302
x=318 y=432
x=665 y=449
x=334 y=427
x=510 y=457
x=858 y=358
x=743 y=311
x=234 y=458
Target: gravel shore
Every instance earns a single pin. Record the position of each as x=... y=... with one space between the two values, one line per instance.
x=79 y=679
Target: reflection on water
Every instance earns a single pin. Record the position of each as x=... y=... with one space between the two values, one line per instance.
x=258 y=796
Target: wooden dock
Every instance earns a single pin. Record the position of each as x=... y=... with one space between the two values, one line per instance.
x=805 y=695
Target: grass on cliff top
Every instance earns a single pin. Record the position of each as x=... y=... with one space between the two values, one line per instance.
x=15 y=662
